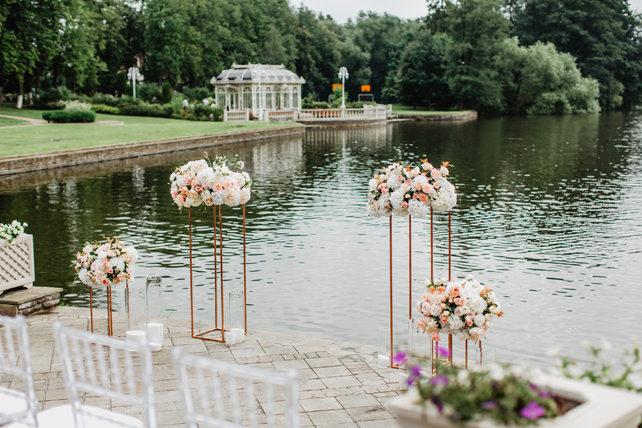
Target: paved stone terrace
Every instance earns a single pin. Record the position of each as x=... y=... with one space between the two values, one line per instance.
x=340 y=383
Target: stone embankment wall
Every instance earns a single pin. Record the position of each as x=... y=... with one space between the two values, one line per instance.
x=464 y=115
x=35 y=300
x=64 y=158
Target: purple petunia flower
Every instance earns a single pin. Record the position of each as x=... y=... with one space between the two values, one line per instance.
x=532 y=411
x=443 y=352
x=489 y=405
x=437 y=402
x=439 y=380
x=413 y=374
x=400 y=357
x=545 y=394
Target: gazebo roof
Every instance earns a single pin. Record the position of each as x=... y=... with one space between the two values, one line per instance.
x=271 y=74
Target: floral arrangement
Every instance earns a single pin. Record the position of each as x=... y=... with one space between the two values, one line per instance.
x=496 y=392
x=462 y=308
x=12 y=231
x=405 y=190
x=198 y=182
x=106 y=263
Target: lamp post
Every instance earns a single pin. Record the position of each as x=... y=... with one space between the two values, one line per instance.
x=258 y=73
x=134 y=75
x=343 y=75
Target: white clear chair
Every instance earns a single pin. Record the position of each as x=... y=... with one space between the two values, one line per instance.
x=222 y=394
x=16 y=406
x=105 y=367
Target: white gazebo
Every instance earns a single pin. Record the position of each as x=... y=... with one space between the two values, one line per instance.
x=255 y=86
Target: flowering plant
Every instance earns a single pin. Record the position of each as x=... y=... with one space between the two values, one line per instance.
x=12 y=231
x=497 y=392
x=197 y=183
x=406 y=190
x=463 y=308
x=105 y=263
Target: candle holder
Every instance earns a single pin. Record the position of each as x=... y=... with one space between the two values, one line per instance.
x=155 y=312
x=218 y=282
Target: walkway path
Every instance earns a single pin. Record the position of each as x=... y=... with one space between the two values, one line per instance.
x=340 y=383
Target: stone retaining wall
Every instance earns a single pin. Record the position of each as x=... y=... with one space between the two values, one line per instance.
x=64 y=158
x=464 y=115
x=35 y=300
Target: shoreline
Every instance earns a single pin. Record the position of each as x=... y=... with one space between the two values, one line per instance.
x=18 y=164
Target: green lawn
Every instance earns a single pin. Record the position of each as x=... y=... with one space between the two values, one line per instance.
x=24 y=112
x=45 y=138
x=402 y=109
x=4 y=121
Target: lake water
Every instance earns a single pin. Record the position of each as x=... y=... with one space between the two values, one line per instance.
x=549 y=215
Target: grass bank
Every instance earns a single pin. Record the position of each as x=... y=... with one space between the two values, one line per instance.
x=403 y=109
x=45 y=138
x=5 y=121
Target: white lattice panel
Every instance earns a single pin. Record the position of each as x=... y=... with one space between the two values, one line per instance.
x=16 y=263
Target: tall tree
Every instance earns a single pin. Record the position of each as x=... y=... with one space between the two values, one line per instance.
x=29 y=36
x=601 y=34
x=420 y=79
x=477 y=29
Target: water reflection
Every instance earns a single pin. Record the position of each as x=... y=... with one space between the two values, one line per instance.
x=550 y=214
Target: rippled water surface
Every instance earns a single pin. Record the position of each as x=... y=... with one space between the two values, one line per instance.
x=549 y=214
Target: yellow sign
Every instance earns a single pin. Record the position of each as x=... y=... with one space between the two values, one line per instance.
x=335 y=86
x=365 y=88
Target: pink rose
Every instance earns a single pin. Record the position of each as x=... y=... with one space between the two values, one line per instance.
x=458 y=301
x=174 y=193
x=404 y=204
x=435 y=174
x=443 y=170
x=455 y=291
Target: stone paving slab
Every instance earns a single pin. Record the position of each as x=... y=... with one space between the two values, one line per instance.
x=340 y=384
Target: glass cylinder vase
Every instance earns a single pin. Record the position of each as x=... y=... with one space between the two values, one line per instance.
x=136 y=307
x=155 y=313
x=235 y=323
x=383 y=357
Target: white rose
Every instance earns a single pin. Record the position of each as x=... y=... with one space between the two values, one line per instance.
x=245 y=196
x=479 y=320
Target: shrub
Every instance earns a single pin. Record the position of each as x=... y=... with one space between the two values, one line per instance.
x=109 y=100
x=102 y=108
x=167 y=93
x=73 y=106
x=196 y=94
x=148 y=92
x=81 y=116
x=57 y=116
x=200 y=111
x=314 y=104
x=149 y=110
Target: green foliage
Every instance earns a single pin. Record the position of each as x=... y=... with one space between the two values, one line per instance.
x=477 y=29
x=82 y=116
x=604 y=36
x=151 y=110
x=200 y=111
x=57 y=116
x=495 y=392
x=336 y=98
x=122 y=86
x=105 y=109
x=420 y=78
x=540 y=80
x=149 y=92
x=196 y=94
x=626 y=374
x=74 y=106
x=167 y=93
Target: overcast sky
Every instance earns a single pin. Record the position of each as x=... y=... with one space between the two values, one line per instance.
x=341 y=10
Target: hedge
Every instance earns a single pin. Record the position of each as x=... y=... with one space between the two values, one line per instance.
x=62 y=116
x=103 y=108
x=147 y=110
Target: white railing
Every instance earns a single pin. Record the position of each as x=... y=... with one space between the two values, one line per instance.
x=378 y=112
x=236 y=116
x=280 y=116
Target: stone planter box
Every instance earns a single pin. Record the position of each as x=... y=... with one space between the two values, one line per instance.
x=16 y=263
x=601 y=407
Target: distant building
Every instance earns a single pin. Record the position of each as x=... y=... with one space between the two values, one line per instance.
x=238 y=88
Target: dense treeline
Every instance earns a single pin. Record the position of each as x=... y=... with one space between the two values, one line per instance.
x=496 y=56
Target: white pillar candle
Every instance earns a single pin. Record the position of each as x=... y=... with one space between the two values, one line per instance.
x=403 y=380
x=138 y=336
x=230 y=338
x=155 y=330
x=239 y=334
x=383 y=361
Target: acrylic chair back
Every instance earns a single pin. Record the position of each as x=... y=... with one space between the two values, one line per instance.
x=220 y=394
x=107 y=367
x=15 y=362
